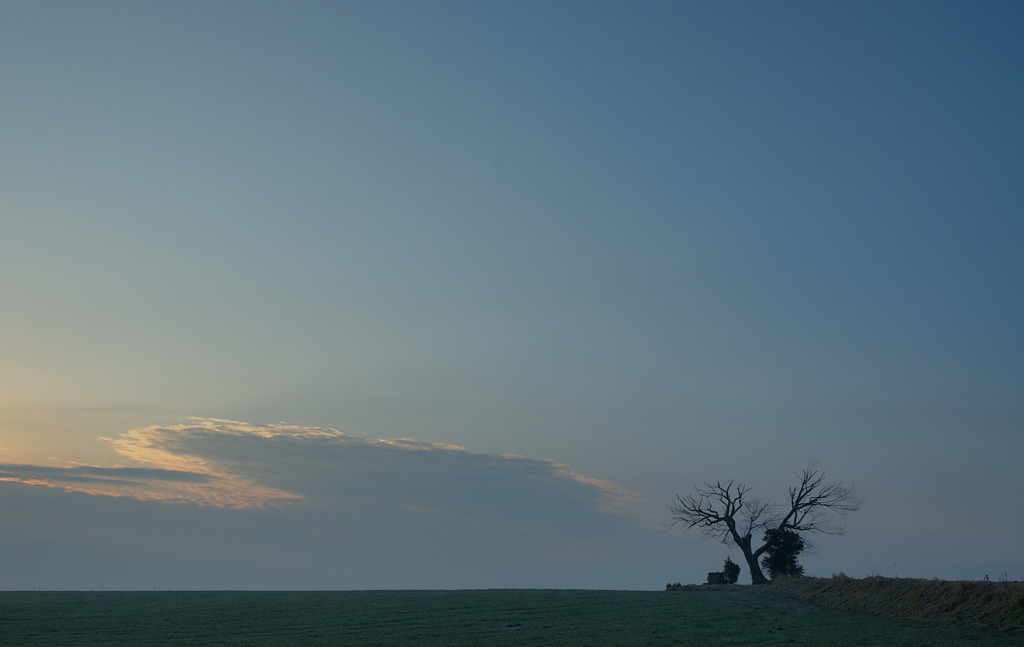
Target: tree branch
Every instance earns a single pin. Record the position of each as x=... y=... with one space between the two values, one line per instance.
x=813 y=504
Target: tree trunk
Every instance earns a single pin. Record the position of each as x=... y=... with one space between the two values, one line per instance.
x=756 y=576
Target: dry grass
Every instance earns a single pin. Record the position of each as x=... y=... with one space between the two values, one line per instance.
x=997 y=605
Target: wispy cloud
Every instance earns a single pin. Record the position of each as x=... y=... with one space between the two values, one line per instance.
x=91 y=474
x=141 y=483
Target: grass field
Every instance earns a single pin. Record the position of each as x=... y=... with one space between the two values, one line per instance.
x=492 y=617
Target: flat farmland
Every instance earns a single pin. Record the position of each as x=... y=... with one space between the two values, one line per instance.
x=487 y=617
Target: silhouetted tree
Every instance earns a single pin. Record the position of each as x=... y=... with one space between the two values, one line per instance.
x=731 y=571
x=782 y=548
x=724 y=510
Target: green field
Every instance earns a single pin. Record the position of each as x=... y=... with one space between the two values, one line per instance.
x=491 y=617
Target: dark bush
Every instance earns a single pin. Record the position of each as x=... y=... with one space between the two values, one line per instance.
x=783 y=546
x=731 y=570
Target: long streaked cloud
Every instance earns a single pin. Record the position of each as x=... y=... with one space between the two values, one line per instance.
x=306 y=499
x=233 y=464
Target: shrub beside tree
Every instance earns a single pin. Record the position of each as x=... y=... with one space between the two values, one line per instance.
x=782 y=548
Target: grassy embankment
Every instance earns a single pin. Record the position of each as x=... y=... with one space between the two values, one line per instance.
x=996 y=605
x=738 y=616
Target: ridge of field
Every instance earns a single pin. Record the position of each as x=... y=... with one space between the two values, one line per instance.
x=749 y=616
x=995 y=605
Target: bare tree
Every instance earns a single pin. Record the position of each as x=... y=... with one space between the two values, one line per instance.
x=723 y=510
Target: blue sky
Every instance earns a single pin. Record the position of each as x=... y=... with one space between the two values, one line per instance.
x=608 y=248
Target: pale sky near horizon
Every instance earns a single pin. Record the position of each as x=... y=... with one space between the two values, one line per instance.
x=460 y=294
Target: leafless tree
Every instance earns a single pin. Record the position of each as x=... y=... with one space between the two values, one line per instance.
x=724 y=510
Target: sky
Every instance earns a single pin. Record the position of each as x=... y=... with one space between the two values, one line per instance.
x=359 y=295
